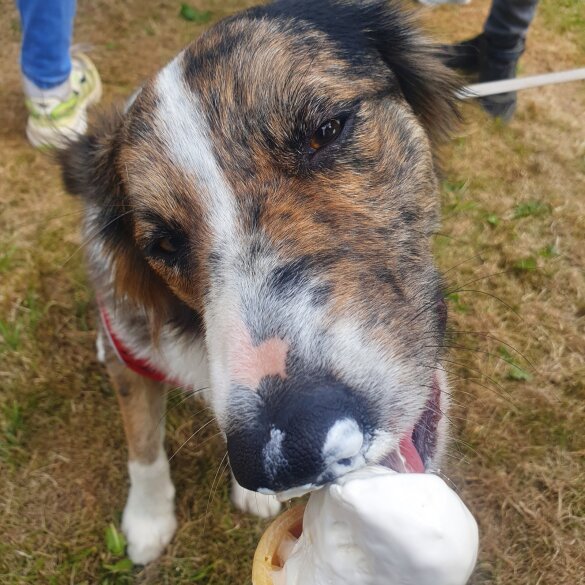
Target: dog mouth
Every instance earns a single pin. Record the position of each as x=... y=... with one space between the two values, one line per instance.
x=415 y=452
x=418 y=447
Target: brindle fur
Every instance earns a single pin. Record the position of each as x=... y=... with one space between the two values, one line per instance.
x=355 y=219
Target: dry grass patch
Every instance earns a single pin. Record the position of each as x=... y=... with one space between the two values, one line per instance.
x=513 y=250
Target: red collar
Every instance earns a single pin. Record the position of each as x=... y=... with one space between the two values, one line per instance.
x=125 y=355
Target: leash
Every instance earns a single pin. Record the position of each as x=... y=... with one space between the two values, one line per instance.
x=504 y=86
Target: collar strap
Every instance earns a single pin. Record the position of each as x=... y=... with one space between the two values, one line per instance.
x=140 y=366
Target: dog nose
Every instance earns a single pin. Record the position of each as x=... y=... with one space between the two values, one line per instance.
x=300 y=435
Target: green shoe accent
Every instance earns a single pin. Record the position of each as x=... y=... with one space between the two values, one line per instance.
x=58 y=112
x=53 y=122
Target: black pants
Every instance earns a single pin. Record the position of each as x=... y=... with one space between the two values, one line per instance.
x=510 y=19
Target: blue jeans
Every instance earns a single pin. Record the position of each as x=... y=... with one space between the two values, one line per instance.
x=47 y=29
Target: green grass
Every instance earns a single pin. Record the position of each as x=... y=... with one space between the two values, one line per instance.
x=13 y=422
x=565 y=17
x=10 y=335
x=7 y=259
x=531 y=208
x=512 y=200
x=549 y=251
x=525 y=264
x=191 y=14
x=23 y=324
x=492 y=219
x=11 y=433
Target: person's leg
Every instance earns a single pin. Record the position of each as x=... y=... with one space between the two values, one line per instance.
x=59 y=85
x=509 y=20
x=494 y=53
x=47 y=29
x=506 y=26
x=505 y=39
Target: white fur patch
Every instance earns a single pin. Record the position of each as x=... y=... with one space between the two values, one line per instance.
x=149 y=521
x=272 y=453
x=343 y=448
x=185 y=360
x=100 y=348
x=261 y=505
x=344 y=440
x=181 y=124
x=181 y=358
x=390 y=380
x=443 y=427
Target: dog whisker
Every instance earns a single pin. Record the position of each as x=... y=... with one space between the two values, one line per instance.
x=488 y=335
x=474 y=350
x=210 y=438
x=190 y=437
x=450 y=291
x=467 y=379
x=452 y=400
x=176 y=390
x=477 y=371
x=446 y=478
x=453 y=452
x=79 y=212
x=442 y=413
x=188 y=394
x=223 y=465
x=462 y=288
x=462 y=263
x=93 y=236
x=451 y=334
x=483 y=292
x=441 y=235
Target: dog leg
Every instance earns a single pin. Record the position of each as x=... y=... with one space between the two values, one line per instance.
x=148 y=521
x=252 y=502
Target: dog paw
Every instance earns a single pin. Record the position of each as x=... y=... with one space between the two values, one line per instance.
x=147 y=534
x=149 y=521
x=254 y=503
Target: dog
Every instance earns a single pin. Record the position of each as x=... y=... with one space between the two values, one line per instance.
x=259 y=222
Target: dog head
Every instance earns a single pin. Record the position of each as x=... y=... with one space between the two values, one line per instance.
x=275 y=183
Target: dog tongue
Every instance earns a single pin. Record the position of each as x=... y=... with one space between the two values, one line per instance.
x=406 y=458
x=412 y=461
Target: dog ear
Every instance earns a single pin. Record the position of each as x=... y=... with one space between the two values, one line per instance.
x=89 y=168
x=88 y=162
x=384 y=28
x=428 y=85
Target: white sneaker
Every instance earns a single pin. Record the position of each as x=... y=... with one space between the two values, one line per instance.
x=54 y=122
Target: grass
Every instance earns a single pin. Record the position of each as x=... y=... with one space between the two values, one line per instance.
x=7 y=259
x=9 y=335
x=12 y=427
x=531 y=208
x=514 y=225
x=566 y=17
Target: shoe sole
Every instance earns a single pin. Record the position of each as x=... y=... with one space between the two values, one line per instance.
x=60 y=137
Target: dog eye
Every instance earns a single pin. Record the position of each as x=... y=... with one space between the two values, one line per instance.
x=327 y=133
x=165 y=247
x=168 y=245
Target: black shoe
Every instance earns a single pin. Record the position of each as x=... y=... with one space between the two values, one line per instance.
x=464 y=55
x=494 y=59
x=499 y=60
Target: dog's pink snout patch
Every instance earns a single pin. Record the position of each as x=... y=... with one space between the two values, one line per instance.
x=250 y=363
